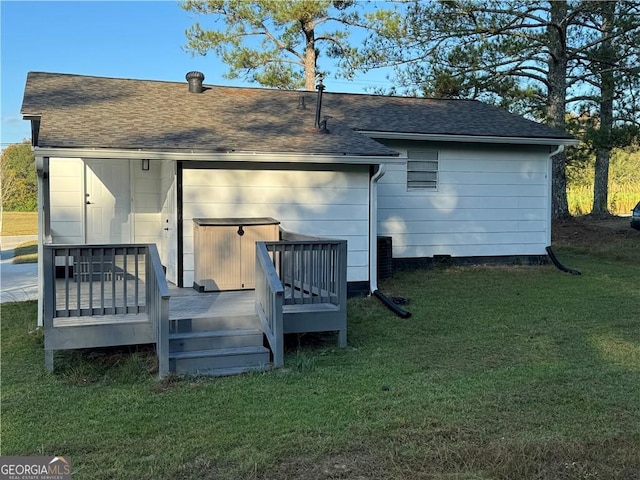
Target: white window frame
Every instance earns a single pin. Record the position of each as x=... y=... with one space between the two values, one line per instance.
x=425 y=162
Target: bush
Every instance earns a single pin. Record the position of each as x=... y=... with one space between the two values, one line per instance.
x=18 y=178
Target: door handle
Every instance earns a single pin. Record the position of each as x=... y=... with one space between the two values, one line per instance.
x=89 y=203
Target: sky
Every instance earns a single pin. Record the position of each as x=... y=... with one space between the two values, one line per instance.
x=123 y=39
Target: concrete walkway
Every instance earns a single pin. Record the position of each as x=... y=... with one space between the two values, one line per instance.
x=17 y=282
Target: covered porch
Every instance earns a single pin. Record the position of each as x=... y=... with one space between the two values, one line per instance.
x=108 y=295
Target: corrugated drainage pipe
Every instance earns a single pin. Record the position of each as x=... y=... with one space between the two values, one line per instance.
x=557 y=263
x=390 y=305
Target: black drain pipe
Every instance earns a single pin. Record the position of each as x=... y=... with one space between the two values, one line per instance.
x=557 y=263
x=390 y=305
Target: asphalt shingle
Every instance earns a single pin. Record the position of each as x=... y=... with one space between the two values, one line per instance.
x=97 y=112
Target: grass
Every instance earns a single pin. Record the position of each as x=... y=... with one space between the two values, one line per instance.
x=26 y=253
x=621 y=200
x=19 y=223
x=501 y=373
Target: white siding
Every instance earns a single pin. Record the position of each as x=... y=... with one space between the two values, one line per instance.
x=490 y=201
x=330 y=203
x=145 y=189
x=66 y=200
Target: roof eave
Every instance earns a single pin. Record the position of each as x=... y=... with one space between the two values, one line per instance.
x=439 y=137
x=115 y=153
x=35 y=127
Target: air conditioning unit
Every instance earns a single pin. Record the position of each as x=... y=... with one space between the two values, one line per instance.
x=385 y=257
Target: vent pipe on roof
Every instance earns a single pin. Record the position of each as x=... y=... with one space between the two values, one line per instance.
x=195 y=80
x=321 y=126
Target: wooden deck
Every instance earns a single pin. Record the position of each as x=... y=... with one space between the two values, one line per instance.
x=188 y=303
x=184 y=303
x=118 y=295
x=100 y=320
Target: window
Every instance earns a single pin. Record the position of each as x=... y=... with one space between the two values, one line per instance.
x=422 y=170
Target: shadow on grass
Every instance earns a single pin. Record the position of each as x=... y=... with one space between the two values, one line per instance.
x=26 y=253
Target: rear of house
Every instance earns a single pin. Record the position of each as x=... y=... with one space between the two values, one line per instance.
x=204 y=173
x=138 y=161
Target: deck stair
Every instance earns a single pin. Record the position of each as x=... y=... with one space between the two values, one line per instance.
x=217 y=346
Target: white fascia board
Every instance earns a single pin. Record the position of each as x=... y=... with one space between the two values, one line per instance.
x=105 y=153
x=469 y=138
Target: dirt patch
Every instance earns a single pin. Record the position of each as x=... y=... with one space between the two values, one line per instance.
x=352 y=465
x=591 y=231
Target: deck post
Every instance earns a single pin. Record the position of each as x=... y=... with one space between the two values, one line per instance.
x=48 y=360
x=342 y=337
x=157 y=301
x=342 y=288
x=49 y=301
x=278 y=350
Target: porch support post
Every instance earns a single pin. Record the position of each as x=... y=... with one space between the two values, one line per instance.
x=42 y=170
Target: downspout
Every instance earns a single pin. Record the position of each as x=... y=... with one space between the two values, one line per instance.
x=373 y=227
x=373 y=245
x=559 y=149
x=550 y=252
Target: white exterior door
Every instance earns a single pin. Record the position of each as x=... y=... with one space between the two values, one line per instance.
x=107 y=201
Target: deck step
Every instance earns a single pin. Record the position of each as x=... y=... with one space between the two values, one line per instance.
x=227 y=372
x=207 y=340
x=200 y=361
x=309 y=308
x=213 y=323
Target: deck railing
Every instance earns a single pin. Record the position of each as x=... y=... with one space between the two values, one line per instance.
x=95 y=279
x=157 y=300
x=110 y=281
x=312 y=270
x=269 y=301
x=299 y=272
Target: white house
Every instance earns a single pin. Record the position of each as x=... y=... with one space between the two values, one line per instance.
x=125 y=161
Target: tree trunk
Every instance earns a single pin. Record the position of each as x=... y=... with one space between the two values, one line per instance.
x=604 y=70
x=556 y=102
x=601 y=183
x=309 y=56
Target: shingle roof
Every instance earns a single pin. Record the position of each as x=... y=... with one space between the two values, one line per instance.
x=83 y=111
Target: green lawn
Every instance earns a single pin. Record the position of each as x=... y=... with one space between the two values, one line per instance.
x=19 y=223
x=501 y=373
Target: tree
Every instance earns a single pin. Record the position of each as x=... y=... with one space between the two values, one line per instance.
x=534 y=58
x=18 y=178
x=291 y=33
x=613 y=30
x=514 y=54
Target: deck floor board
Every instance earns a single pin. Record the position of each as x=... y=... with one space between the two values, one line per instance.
x=184 y=302
x=100 y=320
x=188 y=303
